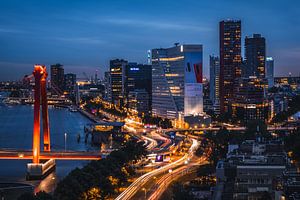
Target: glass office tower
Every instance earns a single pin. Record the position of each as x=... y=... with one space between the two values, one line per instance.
x=270 y=71
x=177 y=81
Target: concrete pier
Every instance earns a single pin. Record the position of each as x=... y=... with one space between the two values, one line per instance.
x=41 y=170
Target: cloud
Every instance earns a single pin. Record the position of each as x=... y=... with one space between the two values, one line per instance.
x=81 y=40
x=155 y=24
x=9 y=30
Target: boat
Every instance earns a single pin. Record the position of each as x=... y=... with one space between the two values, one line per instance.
x=11 y=101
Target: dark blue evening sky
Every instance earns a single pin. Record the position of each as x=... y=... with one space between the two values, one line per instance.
x=84 y=35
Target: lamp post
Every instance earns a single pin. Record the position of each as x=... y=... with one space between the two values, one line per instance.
x=144 y=189
x=155 y=183
x=171 y=172
x=65 y=141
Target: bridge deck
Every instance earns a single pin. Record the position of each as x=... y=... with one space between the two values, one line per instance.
x=27 y=155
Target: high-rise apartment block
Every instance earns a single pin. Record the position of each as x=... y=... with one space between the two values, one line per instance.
x=57 y=79
x=117 y=80
x=214 y=82
x=107 y=86
x=255 y=56
x=270 y=71
x=230 y=61
x=138 y=80
x=249 y=102
x=69 y=83
x=124 y=78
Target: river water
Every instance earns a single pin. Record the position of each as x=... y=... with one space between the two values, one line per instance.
x=16 y=124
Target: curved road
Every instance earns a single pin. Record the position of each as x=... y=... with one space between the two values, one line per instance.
x=139 y=183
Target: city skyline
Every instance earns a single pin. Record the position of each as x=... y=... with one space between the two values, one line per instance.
x=131 y=100
x=84 y=37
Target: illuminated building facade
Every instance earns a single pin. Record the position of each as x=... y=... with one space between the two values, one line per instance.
x=214 y=82
x=138 y=101
x=139 y=77
x=57 y=78
x=124 y=78
x=177 y=81
x=230 y=61
x=107 y=86
x=255 y=55
x=249 y=103
x=290 y=81
x=270 y=71
x=117 y=80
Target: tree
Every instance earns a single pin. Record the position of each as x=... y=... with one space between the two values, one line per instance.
x=101 y=178
x=43 y=196
x=180 y=192
x=91 y=194
x=27 y=196
x=39 y=196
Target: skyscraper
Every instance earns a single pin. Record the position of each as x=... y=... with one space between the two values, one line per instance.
x=250 y=103
x=126 y=77
x=107 y=86
x=177 y=81
x=230 y=61
x=57 y=79
x=139 y=77
x=138 y=100
x=117 y=80
x=214 y=82
x=270 y=71
x=69 y=83
x=255 y=53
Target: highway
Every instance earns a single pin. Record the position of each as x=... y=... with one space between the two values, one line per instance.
x=163 y=182
x=151 y=138
x=240 y=128
x=150 y=143
x=139 y=182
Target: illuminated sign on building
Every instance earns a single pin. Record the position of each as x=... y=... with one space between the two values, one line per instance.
x=159 y=158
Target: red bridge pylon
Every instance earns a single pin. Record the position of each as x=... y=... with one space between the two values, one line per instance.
x=40 y=96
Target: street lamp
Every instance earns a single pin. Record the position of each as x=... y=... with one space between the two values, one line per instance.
x=144 y=189
x=155 y=183
x=65 y=141
x=170 y=172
